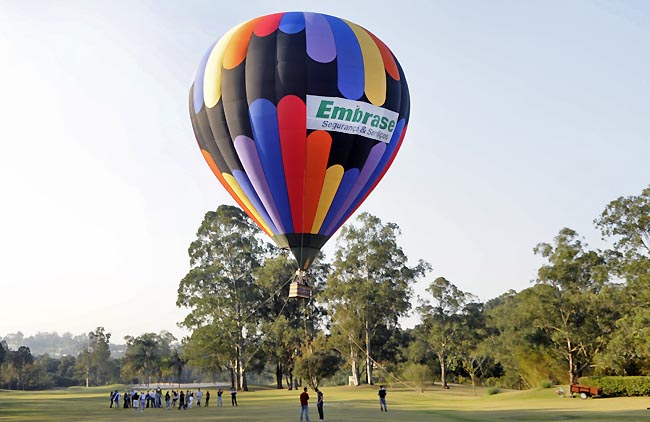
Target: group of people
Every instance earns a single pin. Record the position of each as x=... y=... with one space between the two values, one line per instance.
x=304 y=403
x=154 y=398
x=186 y=400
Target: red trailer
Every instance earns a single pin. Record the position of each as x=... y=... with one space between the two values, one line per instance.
x=585 y=390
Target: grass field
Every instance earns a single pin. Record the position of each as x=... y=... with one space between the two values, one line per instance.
x=341 y=404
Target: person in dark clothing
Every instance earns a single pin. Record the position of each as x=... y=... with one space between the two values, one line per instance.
x=382 y=398
x=233 y=396
x=319 y=404
x=181 y=401
x=207 y=398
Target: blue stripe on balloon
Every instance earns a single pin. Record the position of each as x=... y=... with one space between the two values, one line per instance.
x=385 y=158
x=264 y=122
x=198 y=80
x=247 y=187
x=349 y=177
x=349 y=59
x=292 y=22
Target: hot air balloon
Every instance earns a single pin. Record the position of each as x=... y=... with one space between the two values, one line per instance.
x=299 y=115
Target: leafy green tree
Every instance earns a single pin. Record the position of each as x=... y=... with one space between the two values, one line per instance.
x=370 y=282
x=442 y=321
x=626 y=221
x=4 y=349
x=570 y=309
x=22 y=360
x=175 y=363
x=522 y=348
x=316 y=366
x=146 y=354
x=287 y=323
x=220 y=291
x=417 y=374
x=472 y=352
x=64 y=375
x=99 y=355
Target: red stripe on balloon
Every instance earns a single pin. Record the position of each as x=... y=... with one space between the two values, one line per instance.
x=292 y=125
x=319 y=144
x=387 y=56
x=268 y=24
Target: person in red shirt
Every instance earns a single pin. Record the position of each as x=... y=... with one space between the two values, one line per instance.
x=304 y=405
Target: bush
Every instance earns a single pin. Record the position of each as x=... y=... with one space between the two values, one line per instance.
x=417 y=374
x=492 y=390
x=619 y=386
x=547 y=384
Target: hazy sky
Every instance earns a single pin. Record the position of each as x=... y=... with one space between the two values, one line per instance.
x=526 y=117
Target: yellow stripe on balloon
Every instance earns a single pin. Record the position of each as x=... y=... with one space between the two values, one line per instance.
x=232 y=182
x=212 y=76
x=373 y=66
x=333 y=177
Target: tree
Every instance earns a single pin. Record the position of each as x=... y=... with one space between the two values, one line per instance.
x=626 y=221
x=21 y=360
x=524 y=351
x=316 y=366
x=418 y=374
x=4 y=349
x=175 y=364
x=288 y=324
x=371 y=281
x=442 y=322
x=471 y=348
x=146 y=354
x=99 y=355
x=219 y=289
x=569 y=308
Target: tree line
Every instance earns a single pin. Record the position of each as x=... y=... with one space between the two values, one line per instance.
x=586 y=313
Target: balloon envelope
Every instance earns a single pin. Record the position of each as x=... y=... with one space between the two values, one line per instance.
x=299 y=115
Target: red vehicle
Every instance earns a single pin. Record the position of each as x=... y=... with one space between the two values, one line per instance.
x=585 y=391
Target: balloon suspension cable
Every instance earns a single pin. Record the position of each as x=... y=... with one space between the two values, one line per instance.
x=275 y=321
x=275 y=293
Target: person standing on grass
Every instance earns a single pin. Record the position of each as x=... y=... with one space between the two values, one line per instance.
x=219 y=394
x=199 y=394
x=117 y=399
x=167 y=399
x=181 y=401
x=382 y=399
x=304 y=405
x=207 y=398
x=233 y=396
x=319 y=404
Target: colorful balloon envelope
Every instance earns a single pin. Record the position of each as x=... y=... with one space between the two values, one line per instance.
x=299 y=115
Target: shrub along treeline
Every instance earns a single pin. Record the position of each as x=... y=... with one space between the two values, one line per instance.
x=614 y=386
x=586 y=314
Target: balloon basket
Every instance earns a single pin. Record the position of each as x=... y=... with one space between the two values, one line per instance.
x=299 y=290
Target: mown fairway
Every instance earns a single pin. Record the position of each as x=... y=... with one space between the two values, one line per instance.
x=341 y=404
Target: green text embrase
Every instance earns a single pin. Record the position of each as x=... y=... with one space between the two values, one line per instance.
x=327 y=110
x=343 y=115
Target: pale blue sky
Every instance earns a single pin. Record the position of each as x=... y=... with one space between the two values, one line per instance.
x=526 y=117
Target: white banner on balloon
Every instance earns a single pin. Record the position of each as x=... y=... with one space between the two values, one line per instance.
x=349 y=116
